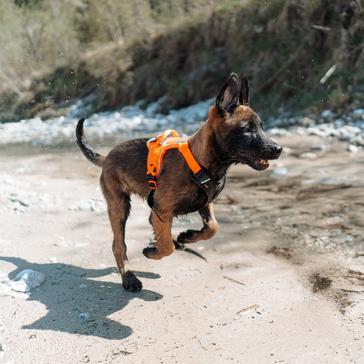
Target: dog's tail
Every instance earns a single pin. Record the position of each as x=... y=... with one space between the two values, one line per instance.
x=88 y=152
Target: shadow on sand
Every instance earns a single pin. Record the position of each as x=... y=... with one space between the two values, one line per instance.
x=69 y=291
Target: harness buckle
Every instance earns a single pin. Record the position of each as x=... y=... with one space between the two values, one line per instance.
x=201 y=178
x=152 y=181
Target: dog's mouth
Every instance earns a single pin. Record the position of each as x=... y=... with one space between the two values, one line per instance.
x=258 y=164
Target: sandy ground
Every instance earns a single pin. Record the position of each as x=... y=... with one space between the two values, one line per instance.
x=283 y=281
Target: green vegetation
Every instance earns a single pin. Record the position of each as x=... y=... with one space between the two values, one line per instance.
x=124 y=51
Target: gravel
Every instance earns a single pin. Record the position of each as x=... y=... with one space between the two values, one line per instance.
x=132 y=121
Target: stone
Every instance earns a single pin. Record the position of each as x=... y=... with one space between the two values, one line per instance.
x=26 y=280
x=358 y=114
x=279 y=172
x=353 y=148
x=327 y=115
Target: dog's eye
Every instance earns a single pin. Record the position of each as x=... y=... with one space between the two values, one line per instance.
x=249 y=128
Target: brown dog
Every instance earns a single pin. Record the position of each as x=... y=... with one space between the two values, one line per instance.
x=232 y=134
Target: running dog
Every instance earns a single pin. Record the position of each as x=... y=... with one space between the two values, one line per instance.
x=232 y=134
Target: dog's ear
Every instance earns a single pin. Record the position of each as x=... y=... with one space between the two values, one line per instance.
x=244 y=92
x=228 y=98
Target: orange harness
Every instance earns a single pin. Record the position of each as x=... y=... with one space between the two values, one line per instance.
x=158 y=147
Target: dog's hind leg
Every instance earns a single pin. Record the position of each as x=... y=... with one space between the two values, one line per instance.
x=209 y=229
x=162 y=226
x=118 y=208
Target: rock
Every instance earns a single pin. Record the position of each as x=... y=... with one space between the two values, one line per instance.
x=359 y=140
x=358 y=114
x=344 y=134
x=352 y=148
x=339 y=123
x=88 y=205
x=308 y=155
x=319 y=147
x=279 y=172
x=306 y=121
x=335 y=181
x=328 y=115
x=316 y=131
x=26 y=280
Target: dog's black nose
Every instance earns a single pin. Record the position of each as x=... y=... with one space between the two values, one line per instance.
x=277 y=150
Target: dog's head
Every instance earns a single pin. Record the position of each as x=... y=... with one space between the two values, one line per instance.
x=237 y=129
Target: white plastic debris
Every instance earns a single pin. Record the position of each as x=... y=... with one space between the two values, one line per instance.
x=26 y=280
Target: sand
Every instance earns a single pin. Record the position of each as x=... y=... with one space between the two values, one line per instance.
x=283 y=281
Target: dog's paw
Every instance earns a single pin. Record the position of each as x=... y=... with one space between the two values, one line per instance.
x=153 y=252
x=131 y=283
x=150 y=252
x=185 y=236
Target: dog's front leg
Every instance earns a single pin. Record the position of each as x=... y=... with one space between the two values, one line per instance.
x=209 y=229
x=162 y=226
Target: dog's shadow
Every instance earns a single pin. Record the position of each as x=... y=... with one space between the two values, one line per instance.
x=78 y=304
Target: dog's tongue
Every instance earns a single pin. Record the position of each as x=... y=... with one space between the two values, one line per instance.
x=263 y=162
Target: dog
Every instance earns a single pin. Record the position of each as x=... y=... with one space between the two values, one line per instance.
x=232 y=134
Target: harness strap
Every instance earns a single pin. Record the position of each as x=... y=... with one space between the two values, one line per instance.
x=189 y=158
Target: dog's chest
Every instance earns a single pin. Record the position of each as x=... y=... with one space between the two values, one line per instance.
x=191 y=202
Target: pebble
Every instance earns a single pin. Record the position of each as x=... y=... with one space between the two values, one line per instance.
x=84 y=316
x=353 y=148
x=308 y=155
x=279 y=172
x=131 y=121
x=89 y=205
x=358 y=114
x=327 y=115
x=318 y=147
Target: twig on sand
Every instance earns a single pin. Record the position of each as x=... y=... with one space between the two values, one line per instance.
x=246 y=309
x=234 y=280
x=242 y=312
x=199 y=341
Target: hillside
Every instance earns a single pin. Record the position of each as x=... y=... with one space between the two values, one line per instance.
x=286 y=47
